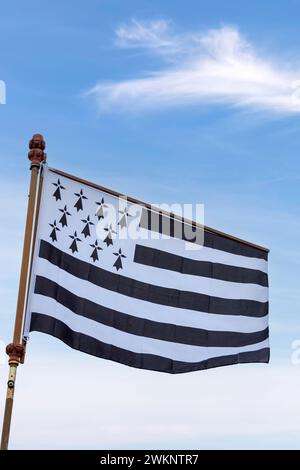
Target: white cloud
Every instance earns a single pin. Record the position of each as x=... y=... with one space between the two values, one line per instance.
x=217 y=66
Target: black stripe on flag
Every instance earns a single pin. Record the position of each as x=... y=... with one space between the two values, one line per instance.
x=150 y=292
x=89 y=345
x=164 y=260
x=160 y=223
x=144 y=327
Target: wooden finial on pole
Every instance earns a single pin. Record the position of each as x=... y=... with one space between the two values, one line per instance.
x=36 y=152
x=16 y=349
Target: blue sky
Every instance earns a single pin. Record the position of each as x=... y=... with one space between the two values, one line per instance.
x=167 y=102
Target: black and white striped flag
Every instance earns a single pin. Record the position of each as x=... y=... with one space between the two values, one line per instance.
x=123 y=282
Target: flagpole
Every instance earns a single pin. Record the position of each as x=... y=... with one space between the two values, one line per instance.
x=16 y=349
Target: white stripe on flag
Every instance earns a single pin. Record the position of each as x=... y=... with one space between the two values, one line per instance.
x=180 y=281
x=180 y=248
x=130 y=342
x=149 y=310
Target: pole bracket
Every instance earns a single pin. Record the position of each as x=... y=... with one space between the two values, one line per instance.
x=16 y=353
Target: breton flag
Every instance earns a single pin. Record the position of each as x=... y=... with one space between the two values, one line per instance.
x=117 y=279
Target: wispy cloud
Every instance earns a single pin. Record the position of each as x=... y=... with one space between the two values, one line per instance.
x=152 y=35
x=216 y=66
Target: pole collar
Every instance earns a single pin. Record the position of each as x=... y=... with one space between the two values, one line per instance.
x=16 y=352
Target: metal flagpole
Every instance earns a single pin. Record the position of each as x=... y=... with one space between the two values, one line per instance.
x=16 y=350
